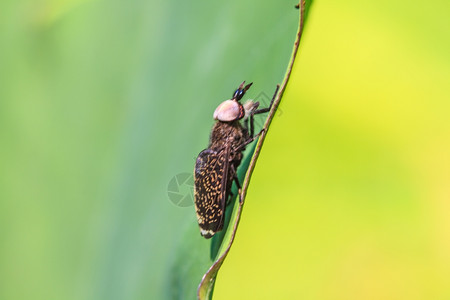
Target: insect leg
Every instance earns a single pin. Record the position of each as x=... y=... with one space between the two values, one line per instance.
x=246 y=124
x=251 y=124
x=263 y=110
x=230 y=197
x=236 y=180
x=244 y=144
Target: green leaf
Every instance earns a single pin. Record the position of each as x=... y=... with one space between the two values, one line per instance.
x=225 y=239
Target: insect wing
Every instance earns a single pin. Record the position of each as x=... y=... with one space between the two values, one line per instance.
x=210 y=190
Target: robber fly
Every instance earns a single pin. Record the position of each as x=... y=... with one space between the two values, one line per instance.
x=216 y=166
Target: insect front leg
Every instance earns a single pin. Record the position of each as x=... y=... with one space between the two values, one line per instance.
x=264 y=110
x=261 y=111
x=252 y=127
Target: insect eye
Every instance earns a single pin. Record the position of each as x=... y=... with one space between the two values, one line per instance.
x=240 y=92
x=236 y=94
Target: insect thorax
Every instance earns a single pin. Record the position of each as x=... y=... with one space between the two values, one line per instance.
x=224 y=133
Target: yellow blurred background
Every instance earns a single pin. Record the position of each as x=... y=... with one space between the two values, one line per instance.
x=350 y=198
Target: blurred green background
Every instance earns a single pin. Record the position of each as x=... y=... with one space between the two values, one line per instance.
x=102 y=103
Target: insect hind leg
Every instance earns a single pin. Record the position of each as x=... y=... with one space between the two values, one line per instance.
x=236 y=180
x=238 y=185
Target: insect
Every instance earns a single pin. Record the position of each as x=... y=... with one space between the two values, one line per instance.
x=216 y=166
